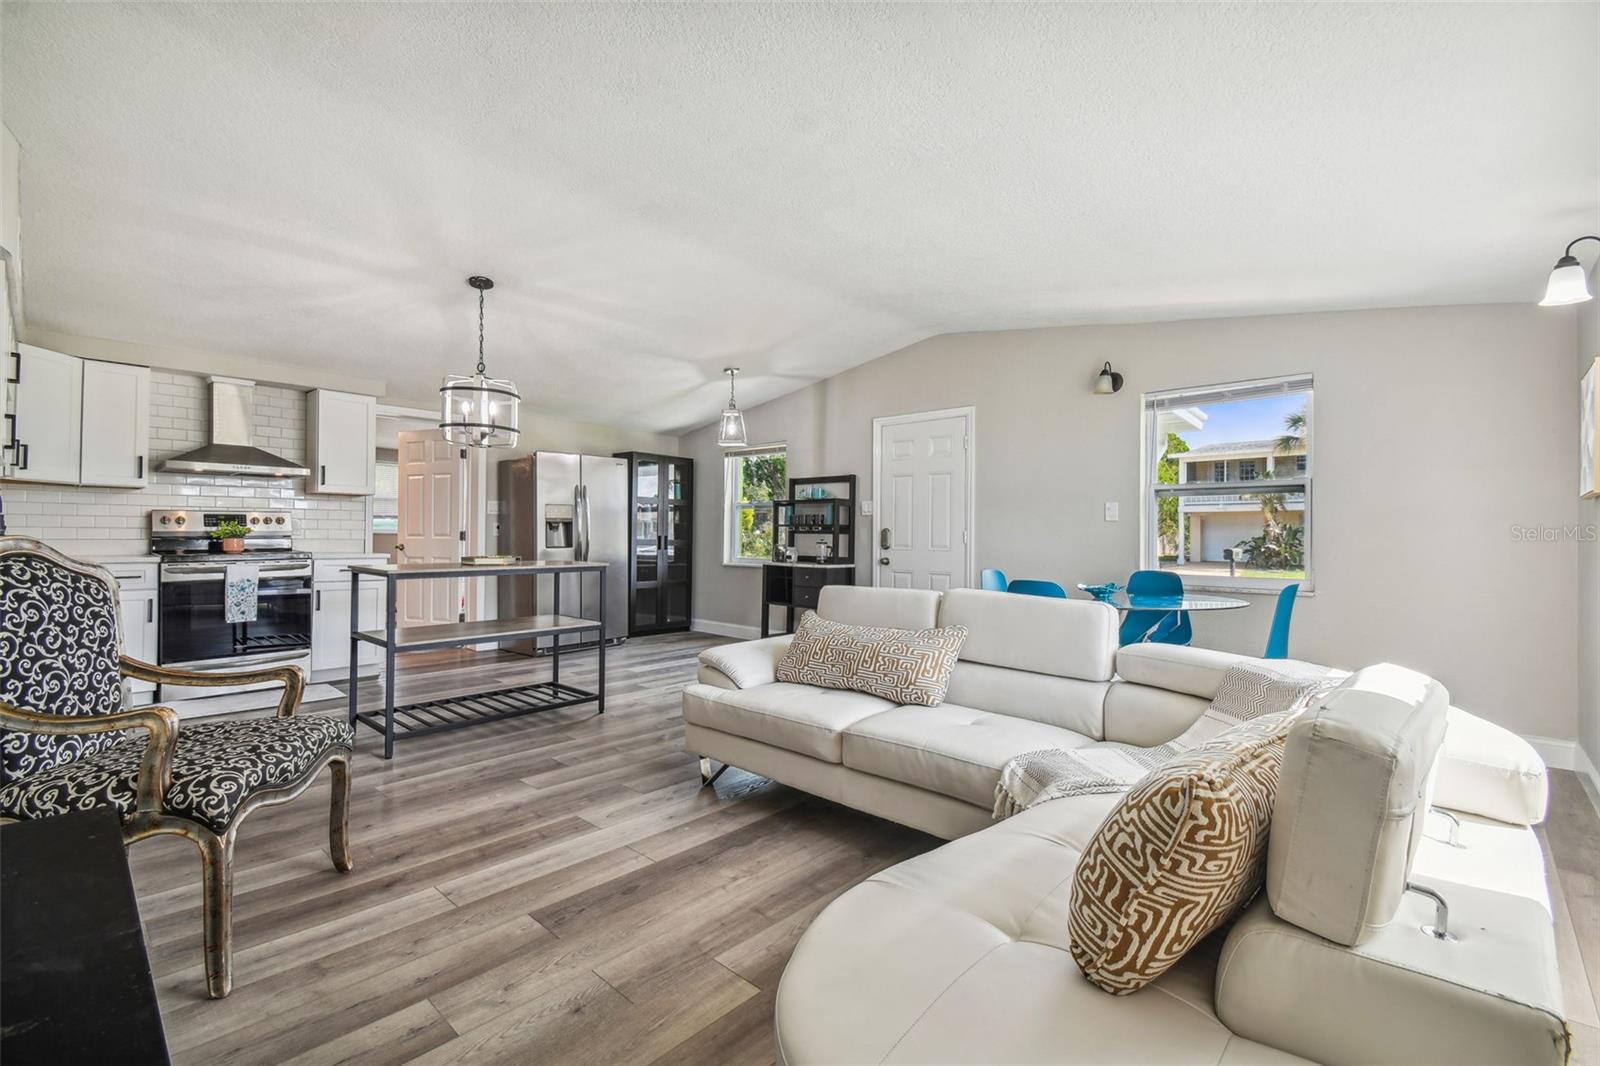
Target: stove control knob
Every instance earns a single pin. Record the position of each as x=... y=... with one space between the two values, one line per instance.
x=279 y=520
x=255 y=520
x=166 y=520
x=180 y=520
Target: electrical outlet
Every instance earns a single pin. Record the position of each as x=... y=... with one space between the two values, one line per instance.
x=1111 y=512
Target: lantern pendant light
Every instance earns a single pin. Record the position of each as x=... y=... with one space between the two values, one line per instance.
x=1569 y=283
x=476 y=410
x=731 y=433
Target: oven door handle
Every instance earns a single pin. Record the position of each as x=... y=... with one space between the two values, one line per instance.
x=218 y=573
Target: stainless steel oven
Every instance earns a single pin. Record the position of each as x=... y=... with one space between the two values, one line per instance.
x=194 y=630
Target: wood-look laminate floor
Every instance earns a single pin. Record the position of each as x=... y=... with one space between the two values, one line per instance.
x=561 y=889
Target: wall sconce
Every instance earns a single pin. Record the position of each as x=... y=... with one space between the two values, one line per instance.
x=1108 y=382
x=1567 y=284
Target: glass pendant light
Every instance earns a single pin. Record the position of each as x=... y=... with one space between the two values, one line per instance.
x=730 y=434
x=475 y=409
x=1568 y=284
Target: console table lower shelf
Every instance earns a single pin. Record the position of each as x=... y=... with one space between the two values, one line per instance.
x=396 y=722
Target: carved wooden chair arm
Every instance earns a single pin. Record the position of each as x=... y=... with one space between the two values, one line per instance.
x=294 y=683
x=155 y=768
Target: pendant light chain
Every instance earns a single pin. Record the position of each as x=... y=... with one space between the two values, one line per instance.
x=480 y=333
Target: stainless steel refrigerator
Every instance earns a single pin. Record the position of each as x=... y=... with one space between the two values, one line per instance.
x=567 y=508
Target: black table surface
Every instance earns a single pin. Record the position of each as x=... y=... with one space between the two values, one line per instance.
x=75 y=984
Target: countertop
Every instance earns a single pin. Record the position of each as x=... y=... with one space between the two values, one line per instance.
x=813 y=566
x=527 y=566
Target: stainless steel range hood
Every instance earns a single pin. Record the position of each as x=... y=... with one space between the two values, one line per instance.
x=231 y=450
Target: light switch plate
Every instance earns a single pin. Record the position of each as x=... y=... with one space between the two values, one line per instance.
x=1111 y=512
x=866 y=508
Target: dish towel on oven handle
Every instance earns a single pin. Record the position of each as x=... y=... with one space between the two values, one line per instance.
x=239 y=592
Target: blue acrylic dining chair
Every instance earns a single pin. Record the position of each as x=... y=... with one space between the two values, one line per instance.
x=1278 y=638
x=993 y=580
x=1027 y=587
x=1170 y=627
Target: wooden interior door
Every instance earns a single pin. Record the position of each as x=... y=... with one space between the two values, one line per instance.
x=923 y=519
x=432 y=490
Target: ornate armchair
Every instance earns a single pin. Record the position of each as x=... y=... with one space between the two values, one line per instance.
x=67 y=743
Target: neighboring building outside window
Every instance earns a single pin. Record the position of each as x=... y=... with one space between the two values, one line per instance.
x=1250 y=530
x=751 y=479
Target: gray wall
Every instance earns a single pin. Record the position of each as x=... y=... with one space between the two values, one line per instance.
x=1589 y=556
x=1416 y=560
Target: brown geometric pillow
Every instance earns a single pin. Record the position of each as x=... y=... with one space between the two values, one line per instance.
x=902 y=665
x=1180 y=855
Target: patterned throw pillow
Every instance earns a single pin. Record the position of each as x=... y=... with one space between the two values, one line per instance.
x=1181 y=854
x=903 y=665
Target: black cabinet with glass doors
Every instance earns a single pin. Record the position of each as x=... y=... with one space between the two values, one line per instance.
x=660 y=542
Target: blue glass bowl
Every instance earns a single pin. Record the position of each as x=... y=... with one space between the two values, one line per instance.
x=1101 y=592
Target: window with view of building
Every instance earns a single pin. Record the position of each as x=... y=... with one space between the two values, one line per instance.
x=1228 y=488
x=752 y=479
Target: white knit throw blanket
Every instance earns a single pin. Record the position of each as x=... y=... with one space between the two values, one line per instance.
x=1248 y=690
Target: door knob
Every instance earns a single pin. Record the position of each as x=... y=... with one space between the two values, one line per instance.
x=883 y=561
x=883 y=538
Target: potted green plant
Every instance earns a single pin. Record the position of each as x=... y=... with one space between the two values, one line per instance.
x=231 y=534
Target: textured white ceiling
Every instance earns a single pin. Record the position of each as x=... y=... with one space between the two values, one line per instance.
x=662 y=190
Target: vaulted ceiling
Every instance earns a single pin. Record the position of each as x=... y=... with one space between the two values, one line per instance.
x=663 y=190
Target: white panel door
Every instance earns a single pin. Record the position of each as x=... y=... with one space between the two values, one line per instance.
x=923 y=519
x=49 y=416
x=116 y=414
x=431 y=487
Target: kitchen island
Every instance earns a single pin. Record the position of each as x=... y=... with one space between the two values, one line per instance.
x=411 y=720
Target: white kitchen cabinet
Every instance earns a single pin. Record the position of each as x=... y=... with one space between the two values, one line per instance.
x=342 y=440
x=139 y=618
x=330 y=623
x=46 y=438
x=116 y=424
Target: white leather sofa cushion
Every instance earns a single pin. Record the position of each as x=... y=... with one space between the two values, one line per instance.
x=1175 y=667
x=748 y=663
x=1402 y=997
x=1352 y=800
x=1068 y=638
x=800 y=718
x=1489 y=770
x=1146 y=715
x=950 y=749
x=868 y=606
x=960 y=955
x=1059 y=701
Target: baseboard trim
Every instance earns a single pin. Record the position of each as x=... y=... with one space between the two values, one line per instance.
x=1569 y=755
x=724 y=629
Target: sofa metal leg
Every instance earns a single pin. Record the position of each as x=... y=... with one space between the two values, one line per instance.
x=339 y=817
x=1454 y=840
x=1440 y=929
x=216 y=861
x=707 y=778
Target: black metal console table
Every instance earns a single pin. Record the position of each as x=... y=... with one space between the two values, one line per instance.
x=455 y=712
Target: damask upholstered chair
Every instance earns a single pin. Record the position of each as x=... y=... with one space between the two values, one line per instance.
x=67 y=742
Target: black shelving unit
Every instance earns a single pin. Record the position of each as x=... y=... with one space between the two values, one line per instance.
x=803 y=521
x=660 y=542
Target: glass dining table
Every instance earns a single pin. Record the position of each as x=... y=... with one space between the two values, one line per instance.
x=1167 y=605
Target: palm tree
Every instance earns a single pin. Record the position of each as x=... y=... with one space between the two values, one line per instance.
x=1296 y=426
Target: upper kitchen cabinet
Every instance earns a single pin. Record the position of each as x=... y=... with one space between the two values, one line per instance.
x=78 y=421
x=46 y=441
x=116 y=424
x=342 y=439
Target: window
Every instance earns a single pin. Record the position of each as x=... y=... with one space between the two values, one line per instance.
x=752 y=479
x=386 y=497
x=1250 y=530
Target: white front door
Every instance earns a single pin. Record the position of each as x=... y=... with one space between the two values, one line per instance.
x=431 y=486
x=923 y=510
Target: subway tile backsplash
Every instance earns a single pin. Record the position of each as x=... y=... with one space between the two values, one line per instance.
x=116 y=521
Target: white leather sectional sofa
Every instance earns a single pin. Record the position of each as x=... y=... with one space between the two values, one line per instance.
x=961 y=954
